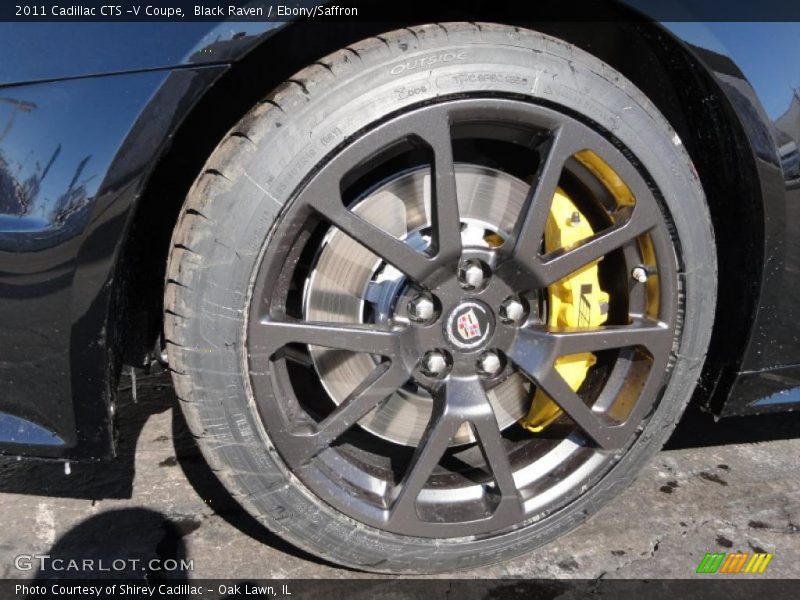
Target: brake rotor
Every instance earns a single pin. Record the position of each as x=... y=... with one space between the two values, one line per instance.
x=350 y=284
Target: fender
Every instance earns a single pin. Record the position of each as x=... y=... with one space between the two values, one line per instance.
x=77 y=146
x=763 y=87
x=36 y=52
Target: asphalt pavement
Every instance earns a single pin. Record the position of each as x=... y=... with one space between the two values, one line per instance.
x=726 y=486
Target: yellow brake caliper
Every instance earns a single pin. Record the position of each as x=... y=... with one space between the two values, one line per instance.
x=575 y=301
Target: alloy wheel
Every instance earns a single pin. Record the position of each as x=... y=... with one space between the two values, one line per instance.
x=399 y=328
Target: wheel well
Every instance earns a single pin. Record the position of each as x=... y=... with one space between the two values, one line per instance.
x=683 y=90
x=659 y=65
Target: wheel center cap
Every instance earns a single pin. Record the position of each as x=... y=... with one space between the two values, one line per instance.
x=469 y=325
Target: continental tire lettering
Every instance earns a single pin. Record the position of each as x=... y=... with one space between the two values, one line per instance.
x=576 y=100
x=332 y=136
x=409 y=91
x=300 y=163
x=424 y=62
x=492 y=77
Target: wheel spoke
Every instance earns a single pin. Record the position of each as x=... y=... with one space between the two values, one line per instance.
x=654 y=335
x=529 y=231
x=526 y=269
x=271 y=335
x=440 y=430
x=486 y=429
x=605 y=433
x=535 y=352
x=621 y=166
x=567 y=261
x=323 y=194
x=534 y=359
x=445 y=218
x=324 y=197
x=384 y=380
x=459 y=401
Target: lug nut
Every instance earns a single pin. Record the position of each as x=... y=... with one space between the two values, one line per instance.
x=421 y=309
x=639 y=274
x=512 y=311
x=490 y=364
x=434 y=363
x=471 y=275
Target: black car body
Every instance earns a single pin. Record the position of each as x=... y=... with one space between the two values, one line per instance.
x=103 y=127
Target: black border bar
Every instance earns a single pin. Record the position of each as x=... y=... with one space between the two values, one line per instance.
x=387 y=11
x=710 y=587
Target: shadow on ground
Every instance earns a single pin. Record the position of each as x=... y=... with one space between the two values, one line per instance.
x=114 y=479
x=128 y=543
x=697 y=429
x=161 y=537
x=96 y=480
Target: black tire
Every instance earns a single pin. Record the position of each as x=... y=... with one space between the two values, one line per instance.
x=248 y=180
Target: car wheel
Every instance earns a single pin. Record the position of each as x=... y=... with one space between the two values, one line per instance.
x=439 y=297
